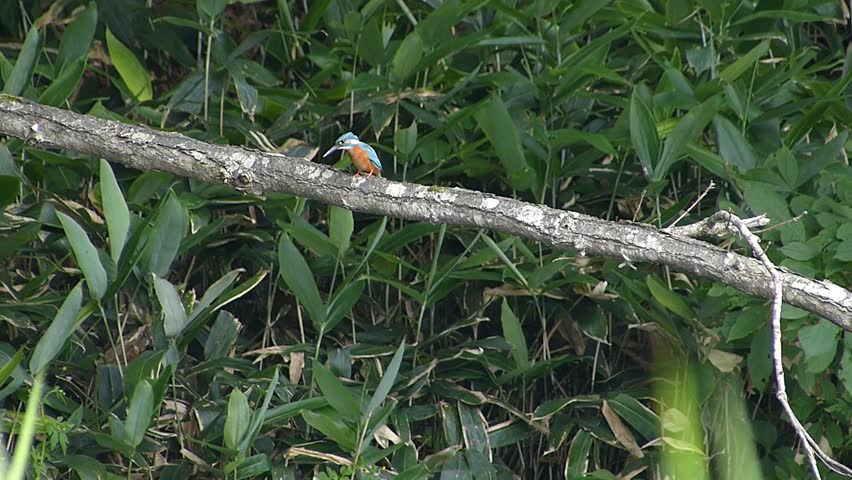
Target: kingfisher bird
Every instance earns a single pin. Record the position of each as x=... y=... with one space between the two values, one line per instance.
x=365 y=159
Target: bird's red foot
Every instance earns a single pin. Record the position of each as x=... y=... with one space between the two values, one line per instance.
x=357 y=174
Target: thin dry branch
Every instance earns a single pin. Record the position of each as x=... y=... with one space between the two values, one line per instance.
x=258 y=173
x=812 y=448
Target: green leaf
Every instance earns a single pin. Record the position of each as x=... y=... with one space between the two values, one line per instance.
x=370 y=44
x=237 y=421
x=86 y=255
x=578 y=453
x=747 y=322
x=744 y=62
x=788 y=166
x=799 y=251
x=59 y=331
x=845 y=373
x=60 y=89
x=329 y=422
x=77 y=38
x=688 y=129
x=733 y=146
x=169 y=228
x=407 y=56
x=819 y=344
x=340 y=227
x=405 y=140
x=115 y=210
x=342 y=302
x=514 y=334
x=640 y=417
x=761 y=200
x=22 y=72
x=760 y=359
x=338 y=396
x=174 y=315
x=300 y=280
x=132 y=72
x=386 y=383
x=494 y=119
x=669 y=299
x=643 y=133
x=208 y=9
x=139 y=414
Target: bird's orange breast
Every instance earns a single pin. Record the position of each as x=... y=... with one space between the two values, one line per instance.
x=362 y=161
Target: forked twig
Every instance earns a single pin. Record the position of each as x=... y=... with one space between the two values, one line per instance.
x=812 y=449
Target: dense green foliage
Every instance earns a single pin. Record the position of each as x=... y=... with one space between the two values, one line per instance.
x=184 y=329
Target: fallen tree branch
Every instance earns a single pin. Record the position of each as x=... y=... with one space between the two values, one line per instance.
x=258 y=173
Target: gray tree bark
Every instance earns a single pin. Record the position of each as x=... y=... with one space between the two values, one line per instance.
x=258 y=173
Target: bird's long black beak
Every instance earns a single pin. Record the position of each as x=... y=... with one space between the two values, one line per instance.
x=330 y=151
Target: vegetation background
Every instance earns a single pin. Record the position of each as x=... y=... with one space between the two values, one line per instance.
x=184 y=330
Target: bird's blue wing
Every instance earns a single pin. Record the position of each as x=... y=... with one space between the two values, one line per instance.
x=373 y=156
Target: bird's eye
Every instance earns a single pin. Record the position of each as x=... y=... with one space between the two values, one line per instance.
x=340 y=142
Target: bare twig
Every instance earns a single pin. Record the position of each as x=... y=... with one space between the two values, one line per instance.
x=812 y=448
x=689 y=209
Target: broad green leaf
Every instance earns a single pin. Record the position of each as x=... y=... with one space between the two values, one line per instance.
x=386 y=383
x=407 y=56
x=258 y=416
x=760 y=359
x=845 y=373
x=819 y=344
x=475 y=430
x=514 y=334
x=167 y=233
x=338 y=396
x=77 y=38
x=342 y=303
x=86 y=255
x=668 y=299
x=578 y=453
x=139 y=414
x=405 y=140
x=214 y=292
x=816 y=113
x=59 y=331
x=494 y=119
x=580 y=12
x=822 y=157
x=115 y=210
x=300 y=280
x=761 y=200
x=370 y=45
x=788 y=166
x=340 y=227
x=65 y=84
x=733 y=146
x=222 y=336
x=640 y=417
x=129 y=68
x=22 y=72
x=643 y=133
x=210 y=8
x=799 y=251
x=744 y=62
x=688 y=128
x=329 y=422
x=237 y=421
x=174 y=315
x=746 y=322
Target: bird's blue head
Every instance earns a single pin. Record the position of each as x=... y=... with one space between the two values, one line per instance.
x=343 y=142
